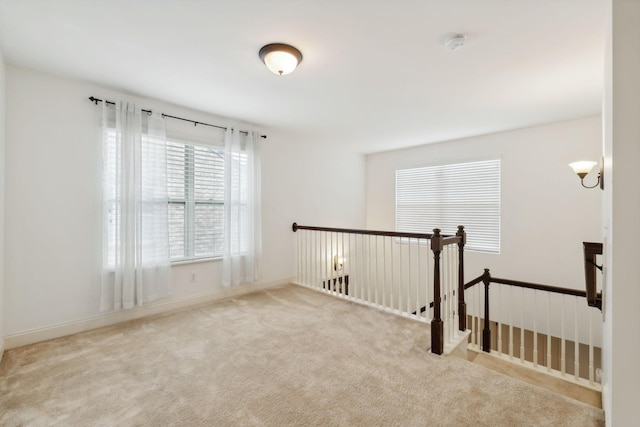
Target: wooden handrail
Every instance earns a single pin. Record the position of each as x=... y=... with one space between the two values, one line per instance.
x=528 y=285
x=538 y=287
x=474 y=282
x=295 y=227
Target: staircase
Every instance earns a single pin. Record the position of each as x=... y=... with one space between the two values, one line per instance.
x=537 y=378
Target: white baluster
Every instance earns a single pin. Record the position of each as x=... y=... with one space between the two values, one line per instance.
x=329 y=260
x=311 y=258
x=452 y=298
x=446 y=271
x=369 y=275
x=499 y=319
x=549 y=331
x=443 y=291
x=303 y=260
x=298 y=259
x=377 y=269
x=333 y=253
x=535 y=329
x=472 y=303
x=576 y=343
x=563 y=357
x=317 y=255
x=325 y=269
x=429 y=279
x=455 y=325
x=400 y=284
x=362 y=282
x=418 y=284
x=510 y=322
x=408 y=291
x=424 y=262
x=346 y=266
x=591 y=362
x=522 y=325
x=319 y=268
x=452 y=291
x=361 y=268
x=308 y=258
x=341 y=270
x=476 y=301
x=392 y=288
x=357 y=268
x=478 y=292
x=300 y=256
x=384 y=272
x=449 y=321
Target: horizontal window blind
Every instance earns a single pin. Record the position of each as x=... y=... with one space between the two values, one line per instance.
x=450 y=195
x=196 y=200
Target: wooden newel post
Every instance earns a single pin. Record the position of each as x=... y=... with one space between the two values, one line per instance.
x=437 y=327
x=462 y=306
x=486 y=332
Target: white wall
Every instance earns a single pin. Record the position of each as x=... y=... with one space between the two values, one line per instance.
x=2 y=183
x=53 y=201
x=621 y=356
x=311 y=184
x=545 y=213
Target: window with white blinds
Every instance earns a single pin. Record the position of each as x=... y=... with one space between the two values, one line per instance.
x=450 y=195
x=195 y=176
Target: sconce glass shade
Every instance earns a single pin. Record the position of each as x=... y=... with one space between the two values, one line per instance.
x=280 y=58
x=582 y=168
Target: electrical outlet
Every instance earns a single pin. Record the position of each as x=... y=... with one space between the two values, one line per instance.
x=192 y=277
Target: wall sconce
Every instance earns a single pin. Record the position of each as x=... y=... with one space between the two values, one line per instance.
x=582 y=168
x=280 y=58
x=338 y=262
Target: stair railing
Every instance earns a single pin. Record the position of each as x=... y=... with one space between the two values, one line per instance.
x=392 y=271
x=552 y=330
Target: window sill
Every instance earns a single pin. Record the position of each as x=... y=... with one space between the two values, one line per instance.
x=195 y=261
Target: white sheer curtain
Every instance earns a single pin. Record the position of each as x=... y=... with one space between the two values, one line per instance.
x=136 y=260
x=242 y=208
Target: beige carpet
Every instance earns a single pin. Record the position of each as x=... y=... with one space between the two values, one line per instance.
x=287 y=356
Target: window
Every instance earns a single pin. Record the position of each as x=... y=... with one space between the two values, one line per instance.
x=195 y=178
x=193 y=202
x=450 y=195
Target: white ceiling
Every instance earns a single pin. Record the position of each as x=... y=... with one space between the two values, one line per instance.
x=375 y=75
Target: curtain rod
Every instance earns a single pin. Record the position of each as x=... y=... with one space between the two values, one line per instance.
x=195 y=123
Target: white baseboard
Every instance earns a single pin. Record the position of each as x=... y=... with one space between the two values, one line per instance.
x=63 y=329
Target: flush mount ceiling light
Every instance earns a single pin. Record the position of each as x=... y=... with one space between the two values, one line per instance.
x=280 y=58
